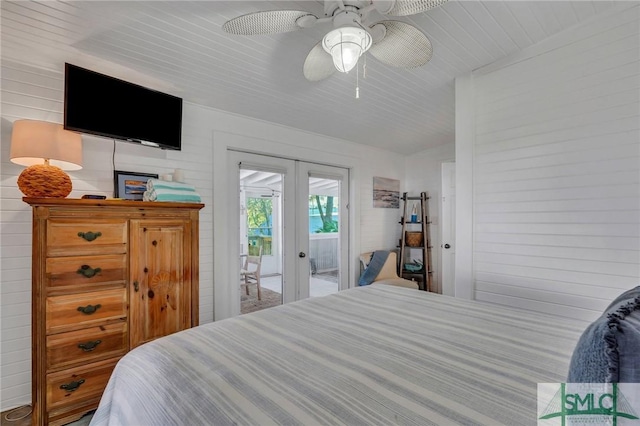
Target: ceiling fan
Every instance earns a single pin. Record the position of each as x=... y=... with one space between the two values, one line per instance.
x=394 y=43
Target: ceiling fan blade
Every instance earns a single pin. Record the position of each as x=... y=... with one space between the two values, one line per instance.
x=403 y=46
x=318 y=65
x=411 y=7
x=267 y=22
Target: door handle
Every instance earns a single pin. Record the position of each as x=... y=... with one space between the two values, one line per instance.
x=447 y=246
x=302 y=254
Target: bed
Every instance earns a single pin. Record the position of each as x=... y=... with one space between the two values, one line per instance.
x=372 y=355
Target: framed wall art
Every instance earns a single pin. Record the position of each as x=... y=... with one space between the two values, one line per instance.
x=386 y=193
x=130 y=185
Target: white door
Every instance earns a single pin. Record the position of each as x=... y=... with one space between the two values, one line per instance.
x=448 y=224
x=289 y=184
x=323 y=212
x=262 y=178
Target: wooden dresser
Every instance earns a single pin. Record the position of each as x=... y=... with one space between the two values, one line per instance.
x=108 y=275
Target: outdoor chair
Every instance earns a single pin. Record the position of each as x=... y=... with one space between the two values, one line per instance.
x=250 y=273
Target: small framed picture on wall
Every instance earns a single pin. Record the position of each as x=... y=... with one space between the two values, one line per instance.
x=386 y=193
x=130 y=185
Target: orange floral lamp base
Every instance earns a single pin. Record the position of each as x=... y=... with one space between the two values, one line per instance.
x=44 y=181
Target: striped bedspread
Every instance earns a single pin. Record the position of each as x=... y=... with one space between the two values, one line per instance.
x=374 y=355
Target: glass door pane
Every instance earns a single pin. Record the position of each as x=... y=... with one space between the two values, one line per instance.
x=324 y=232
x=260 y=239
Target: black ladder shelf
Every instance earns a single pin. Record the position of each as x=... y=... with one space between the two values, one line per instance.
x=408 y=262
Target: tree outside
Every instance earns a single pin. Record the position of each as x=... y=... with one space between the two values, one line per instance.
x=259 y=225
x=324 y=205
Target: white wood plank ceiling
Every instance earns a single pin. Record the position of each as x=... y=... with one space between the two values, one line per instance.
x=181 y=48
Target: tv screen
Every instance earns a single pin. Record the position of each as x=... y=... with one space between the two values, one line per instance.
x=106 y=106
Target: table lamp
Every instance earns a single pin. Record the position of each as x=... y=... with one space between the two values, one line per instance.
x=46 y=148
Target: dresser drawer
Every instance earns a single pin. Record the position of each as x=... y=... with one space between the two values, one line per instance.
x=82 y=310
x=86 y=271
x=76 y=385
x=86 y=237
x=87 y=345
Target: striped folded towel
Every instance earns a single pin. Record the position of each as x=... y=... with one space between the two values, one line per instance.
x=159 y=194
x=163 y=184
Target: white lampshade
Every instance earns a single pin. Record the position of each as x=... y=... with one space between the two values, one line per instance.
x=33 y=142
x=346 y=45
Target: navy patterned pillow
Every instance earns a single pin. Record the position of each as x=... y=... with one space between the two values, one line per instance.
x=609 y=349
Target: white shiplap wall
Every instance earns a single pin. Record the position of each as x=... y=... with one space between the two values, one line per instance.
x=35 y=93
x=556 y=171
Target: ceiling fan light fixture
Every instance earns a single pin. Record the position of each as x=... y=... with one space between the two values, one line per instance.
x=346 y=45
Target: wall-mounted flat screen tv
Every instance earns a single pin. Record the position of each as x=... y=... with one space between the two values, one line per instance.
x=97 y=104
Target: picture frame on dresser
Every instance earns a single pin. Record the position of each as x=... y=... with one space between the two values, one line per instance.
x=130 y=185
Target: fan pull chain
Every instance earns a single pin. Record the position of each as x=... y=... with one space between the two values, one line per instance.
x=357 y=81
x=364 y=75
x=364 y=67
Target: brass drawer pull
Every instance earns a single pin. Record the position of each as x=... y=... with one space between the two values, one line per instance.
x=89 y=236
x=89 y=309
x=88 y=271
x=71 y=386
x=89 y=346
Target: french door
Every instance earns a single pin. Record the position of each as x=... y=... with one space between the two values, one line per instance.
x=297 y=214
x=322 y=202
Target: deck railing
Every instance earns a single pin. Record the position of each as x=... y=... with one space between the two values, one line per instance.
x=256 y=241
x=323 y=252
